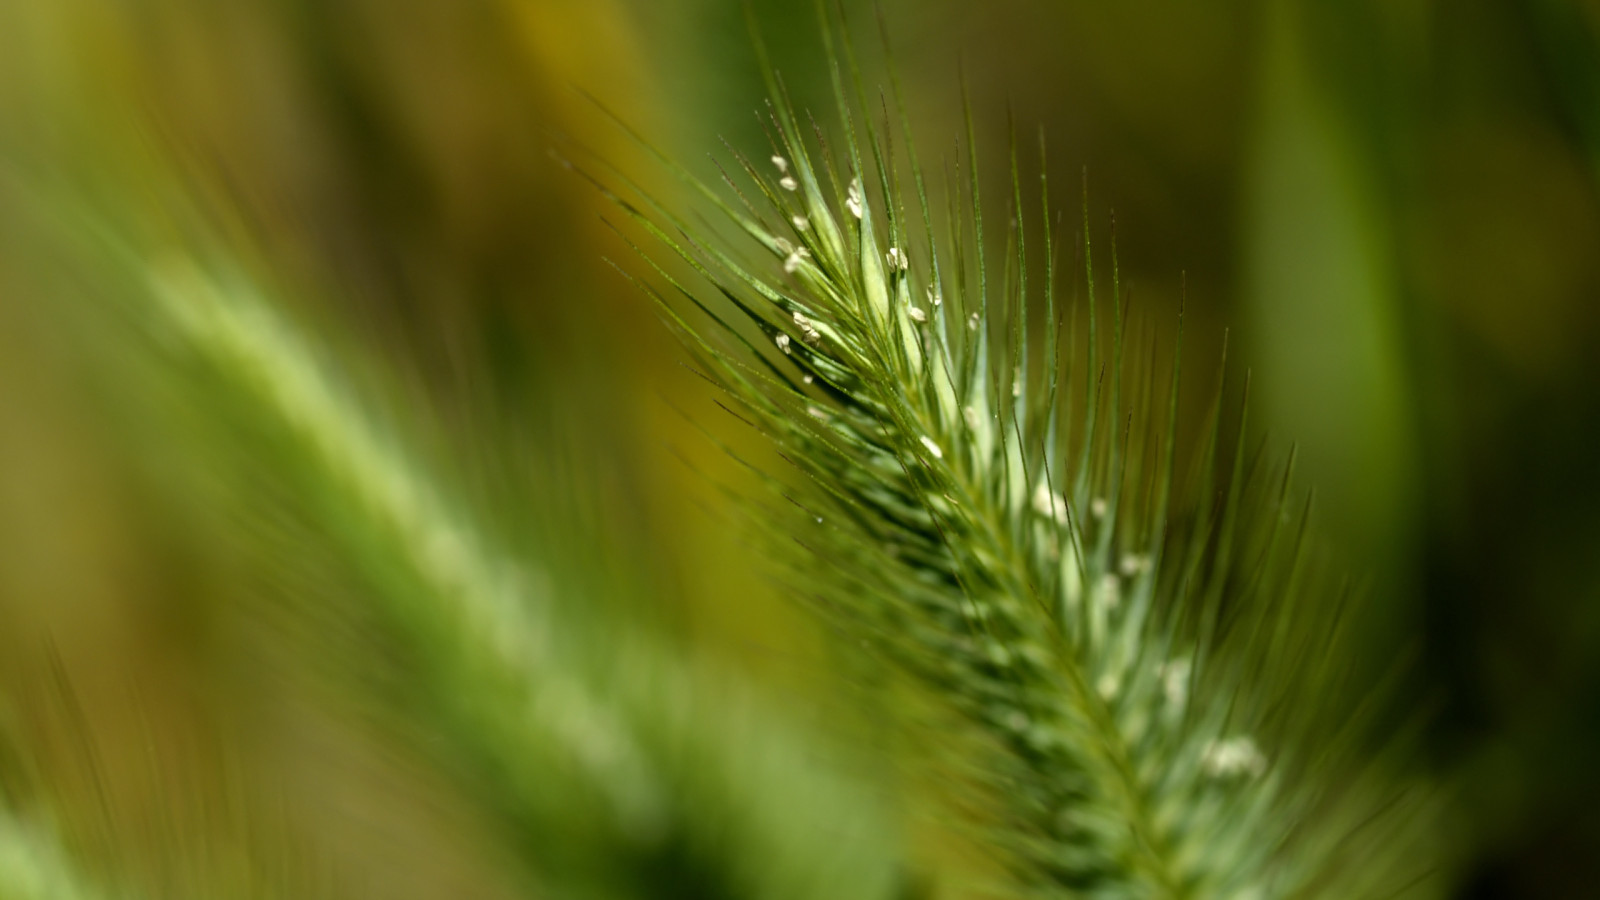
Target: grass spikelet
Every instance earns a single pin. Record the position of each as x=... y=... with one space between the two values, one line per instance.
x=1148 y=643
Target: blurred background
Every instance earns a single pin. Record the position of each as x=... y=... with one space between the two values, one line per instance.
x=1392 y=205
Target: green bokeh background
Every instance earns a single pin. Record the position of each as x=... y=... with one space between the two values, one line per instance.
x=1394 y=205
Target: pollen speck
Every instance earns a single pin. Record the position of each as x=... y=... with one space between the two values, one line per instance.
x=808 y=331
x=1175 y=681
x=1233 y=756
x=792 y=264
x=1109 y=595
x=1050 y=504
x=1107 y=686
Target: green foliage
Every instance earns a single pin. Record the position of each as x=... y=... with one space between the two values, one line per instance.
x=609 y=765
x=1149 y=644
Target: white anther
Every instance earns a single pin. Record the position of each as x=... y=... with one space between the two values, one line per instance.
x=853 y=200
x=1233 y=756
x=932 y=448
x=791 y=264
x=1109 y=594
x=1107 y=686
x=808 y=331
x=782 y=340
x=1175 y=681
x=1050 y=504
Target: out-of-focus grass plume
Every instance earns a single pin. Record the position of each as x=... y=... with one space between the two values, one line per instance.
x=278 y=629
x=359 y=531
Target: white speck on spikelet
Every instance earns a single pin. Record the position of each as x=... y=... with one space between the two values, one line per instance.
x=972 y=322
x=1049 y=504
x=801 y=223
x=853 y=200
x=934 y=297
x=788 y=183
x=1109 y=592
x=1232 y=756
x=782 y=340
x=916 y=314
x=932 y=447
x=1098 y=507
x=1175 y=681
x=973 y=420
x=797 y=256
x=1108 y=686
x=781 y=163
x=1133 y=563
x=816 y=412
x=808 y=332
x=807 y=379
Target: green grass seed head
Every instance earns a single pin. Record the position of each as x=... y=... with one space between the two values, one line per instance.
x=996 y=507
